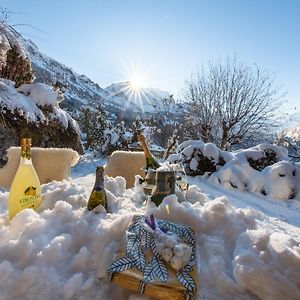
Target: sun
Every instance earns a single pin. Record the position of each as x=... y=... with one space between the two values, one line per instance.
x=137 y=82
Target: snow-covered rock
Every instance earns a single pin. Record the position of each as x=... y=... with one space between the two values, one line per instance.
x=264 y=169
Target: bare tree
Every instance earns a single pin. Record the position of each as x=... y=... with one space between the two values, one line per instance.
x=231 y=104
x=290 y=139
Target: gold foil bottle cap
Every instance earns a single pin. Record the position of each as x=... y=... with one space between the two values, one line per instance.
x=26 y=142
x=100 y=168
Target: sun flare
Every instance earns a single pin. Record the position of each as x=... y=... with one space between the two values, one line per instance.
x=137 y=82
x=137 y=79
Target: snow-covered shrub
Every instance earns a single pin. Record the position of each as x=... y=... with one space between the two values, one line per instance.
x=93 y=124
x=280 y=180
x=7 y=138
x=32 y=112
x=268 y=158
x=264 y=169
x=290 y=139
x=40 y=93
x=100 y=134
x=198 y=158
x=115 y=138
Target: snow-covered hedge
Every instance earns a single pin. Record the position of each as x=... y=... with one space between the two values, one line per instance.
x=32 y=110
x=264 y=169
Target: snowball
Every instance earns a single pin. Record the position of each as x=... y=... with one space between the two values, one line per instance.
x=170 y=240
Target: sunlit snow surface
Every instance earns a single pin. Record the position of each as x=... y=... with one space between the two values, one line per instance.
x=248 y=246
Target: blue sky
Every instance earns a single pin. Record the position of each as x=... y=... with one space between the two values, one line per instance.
x=165 y=39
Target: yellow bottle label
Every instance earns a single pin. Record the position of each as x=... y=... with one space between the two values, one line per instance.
x=30 y=191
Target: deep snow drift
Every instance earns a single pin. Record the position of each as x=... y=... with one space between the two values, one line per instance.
x=62 y=250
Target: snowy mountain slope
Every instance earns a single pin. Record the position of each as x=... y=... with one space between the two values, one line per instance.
x=143 y=100
x=80 y=89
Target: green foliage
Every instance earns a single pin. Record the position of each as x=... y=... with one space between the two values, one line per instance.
x=47 y=133
x=99 y=134
x=137 y=128
x=93 y=123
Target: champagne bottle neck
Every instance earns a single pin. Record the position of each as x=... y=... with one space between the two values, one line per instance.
x=26 y=152
x=99 y=181
x=145 y=147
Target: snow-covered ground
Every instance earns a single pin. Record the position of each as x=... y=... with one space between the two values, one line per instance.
x=248 y=245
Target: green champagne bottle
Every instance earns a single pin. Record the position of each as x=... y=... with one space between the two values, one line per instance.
x=98 y=195
x=151 y=161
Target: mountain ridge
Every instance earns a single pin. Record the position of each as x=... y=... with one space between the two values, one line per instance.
x=80 y=90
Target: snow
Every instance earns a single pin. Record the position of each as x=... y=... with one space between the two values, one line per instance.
x=211 y=150
x=11 y=100
x=28 y=99
x=280 y=181
x=293 y=132
x=248 y=245
x=39 y=93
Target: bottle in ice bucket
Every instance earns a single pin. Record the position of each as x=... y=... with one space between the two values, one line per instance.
x=25 y=190
x=98 y=195
x=165 y=185
x=151 y=161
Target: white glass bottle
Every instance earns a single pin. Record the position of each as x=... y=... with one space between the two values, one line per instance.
x=25 y=190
